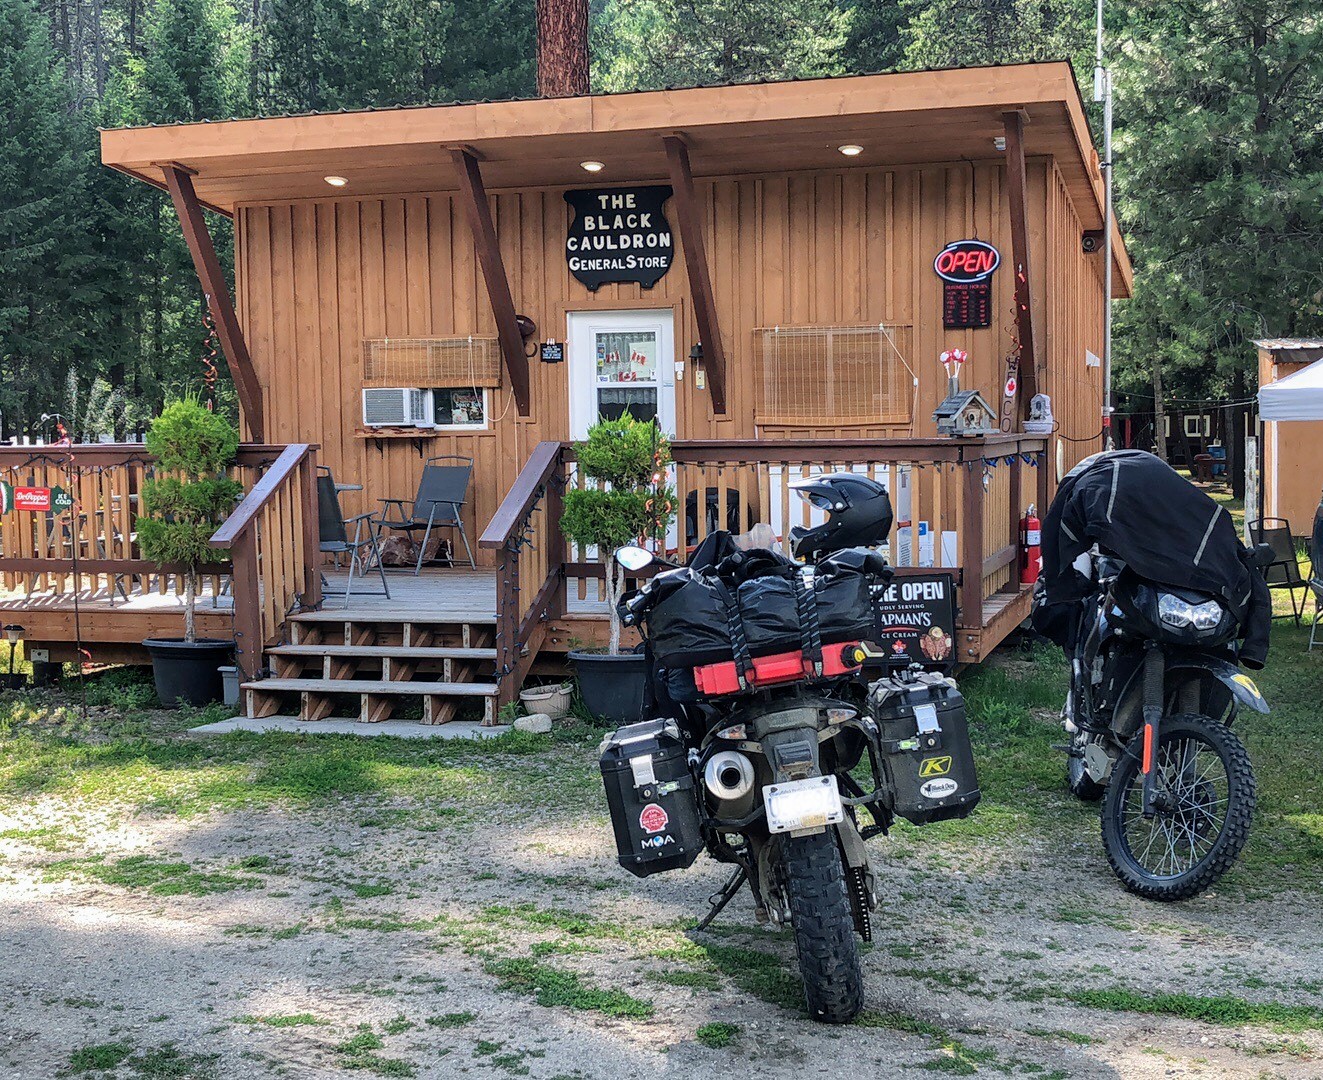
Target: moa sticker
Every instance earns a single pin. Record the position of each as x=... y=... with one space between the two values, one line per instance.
x=939 y=789
x=652 y=818
x=934 y=766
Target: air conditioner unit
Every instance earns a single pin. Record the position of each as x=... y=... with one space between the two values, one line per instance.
x=397 y=406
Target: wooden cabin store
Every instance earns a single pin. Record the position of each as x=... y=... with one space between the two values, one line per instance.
x=774 y=272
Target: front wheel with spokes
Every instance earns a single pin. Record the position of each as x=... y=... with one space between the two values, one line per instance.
x=1205 y=804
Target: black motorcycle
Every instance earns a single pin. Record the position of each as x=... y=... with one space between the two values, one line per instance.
x=1155 y=679
x=760 y=712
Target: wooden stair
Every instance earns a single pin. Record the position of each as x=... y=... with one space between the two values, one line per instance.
x=364 y=665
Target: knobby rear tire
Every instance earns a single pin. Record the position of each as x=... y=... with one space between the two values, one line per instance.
x=824 y=927
x=1235 y=826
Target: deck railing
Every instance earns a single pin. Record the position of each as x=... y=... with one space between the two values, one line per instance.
x=957 y=505
x=273 y=540
x=530 y=564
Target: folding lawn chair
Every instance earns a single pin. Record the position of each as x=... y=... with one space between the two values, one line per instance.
x=1284 y=571
x=1316 y=575
x=333 y=530
x=438 y=504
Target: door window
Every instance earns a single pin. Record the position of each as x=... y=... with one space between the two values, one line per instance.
x=621 y=362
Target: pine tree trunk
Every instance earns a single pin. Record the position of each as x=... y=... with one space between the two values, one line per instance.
x=1159 y=413
x=190 y=606
x=615 y=582
x=562 y=48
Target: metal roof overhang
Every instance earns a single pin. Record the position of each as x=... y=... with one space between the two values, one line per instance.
x=927 y=117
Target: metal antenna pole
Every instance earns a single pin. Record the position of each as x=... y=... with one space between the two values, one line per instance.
x=1102 y=91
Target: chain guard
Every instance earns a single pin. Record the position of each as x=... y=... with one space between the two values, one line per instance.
x=856 y=884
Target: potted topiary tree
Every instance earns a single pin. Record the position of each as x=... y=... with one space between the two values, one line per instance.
x=182 y=506
x=630 y=503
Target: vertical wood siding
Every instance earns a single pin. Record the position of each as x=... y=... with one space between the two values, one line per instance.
x=852 y=246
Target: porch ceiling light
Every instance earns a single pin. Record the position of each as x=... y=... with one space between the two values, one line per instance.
x=851 y=149
x=335 y=181
x=591 y=166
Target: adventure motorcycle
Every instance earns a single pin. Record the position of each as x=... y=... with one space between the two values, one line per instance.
x=759 y=714
x=1155 y=682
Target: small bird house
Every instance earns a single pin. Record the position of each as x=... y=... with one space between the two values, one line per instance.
x=964 y=412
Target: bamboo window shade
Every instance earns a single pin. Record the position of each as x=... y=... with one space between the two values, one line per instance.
x=829 y=375
x=430 y=362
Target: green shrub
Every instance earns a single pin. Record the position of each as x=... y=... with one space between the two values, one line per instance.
x=631 y=502
x=190 y=495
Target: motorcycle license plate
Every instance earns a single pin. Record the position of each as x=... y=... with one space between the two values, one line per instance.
x=803 y=804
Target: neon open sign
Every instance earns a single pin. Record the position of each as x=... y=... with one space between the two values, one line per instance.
x=964 y=261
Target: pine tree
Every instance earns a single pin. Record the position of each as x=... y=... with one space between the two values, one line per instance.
x=45 y=279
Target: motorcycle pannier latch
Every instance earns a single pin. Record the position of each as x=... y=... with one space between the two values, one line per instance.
x=641 y=767
x=925 y=716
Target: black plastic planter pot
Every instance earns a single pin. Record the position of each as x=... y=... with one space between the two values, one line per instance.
x=612 y=687
x=188 y=673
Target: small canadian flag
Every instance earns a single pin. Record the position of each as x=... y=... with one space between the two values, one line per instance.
x=952 y=359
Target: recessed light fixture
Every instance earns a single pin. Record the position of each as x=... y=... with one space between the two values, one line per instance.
x=999 y=143
x=335 y=181
x=851 y=149
x=591 y=166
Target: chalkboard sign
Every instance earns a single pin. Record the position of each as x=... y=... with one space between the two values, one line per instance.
x=966 y=268
x=916 y=619
x=619 y=235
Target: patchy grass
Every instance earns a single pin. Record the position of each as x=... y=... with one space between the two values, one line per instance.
x=450 y=1020
x=359 y=1052
x=100 y=1057
x=1222 y=1011
x=287 y=1020
x=551 y=987
x=155 y=875
x=718 y=1035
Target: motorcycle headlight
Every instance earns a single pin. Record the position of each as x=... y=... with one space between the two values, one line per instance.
x=1174 y=611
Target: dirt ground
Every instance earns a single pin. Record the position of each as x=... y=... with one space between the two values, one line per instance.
x=382 y=936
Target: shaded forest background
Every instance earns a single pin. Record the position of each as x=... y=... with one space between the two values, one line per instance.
x=1219 y=110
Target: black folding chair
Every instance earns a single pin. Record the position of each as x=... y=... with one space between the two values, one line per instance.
x=1316 y=575
x=1284 y=570
x=438 y=504
x=333 y=530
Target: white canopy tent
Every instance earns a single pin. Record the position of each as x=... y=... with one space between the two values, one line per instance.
x=1296 y=397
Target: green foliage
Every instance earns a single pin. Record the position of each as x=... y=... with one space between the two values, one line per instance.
x=624 y=453
x=187 y=437
x=551 y=987
x=718 y=1035
x=606 y=519
x=627 y=457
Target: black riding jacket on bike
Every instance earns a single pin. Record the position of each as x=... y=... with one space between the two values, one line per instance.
x=1136 y=507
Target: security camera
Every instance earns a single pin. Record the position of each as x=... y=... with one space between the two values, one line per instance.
x=1091 y=241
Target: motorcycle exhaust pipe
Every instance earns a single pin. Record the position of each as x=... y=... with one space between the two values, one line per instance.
x=729 y=777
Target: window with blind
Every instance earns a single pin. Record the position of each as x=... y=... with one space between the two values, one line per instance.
x=811 y=376
x=473 y=362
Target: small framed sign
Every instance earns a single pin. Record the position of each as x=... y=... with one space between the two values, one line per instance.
x=553 y=352
x=966 y=268
x=916 y=619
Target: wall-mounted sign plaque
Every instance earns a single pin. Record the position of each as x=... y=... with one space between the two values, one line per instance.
x=619 y=235
x=965 y=267
x=553 y=352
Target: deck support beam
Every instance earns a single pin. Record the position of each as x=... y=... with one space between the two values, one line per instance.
x=477 y=212
x=695 y=259
x=179 y=182
x=1017 y=193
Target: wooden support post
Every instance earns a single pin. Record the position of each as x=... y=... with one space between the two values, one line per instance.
x=312 y=570
x=248 y=643
x=557 y=549
x=478 y=213
x=1016 y=495
x=1016 y=192
x=971 y=545
x=179 y=182
x=695 y=259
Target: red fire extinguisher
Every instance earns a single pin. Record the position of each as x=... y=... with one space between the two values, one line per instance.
x=1031 y=551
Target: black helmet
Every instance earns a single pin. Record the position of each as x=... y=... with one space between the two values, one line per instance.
x=858 y=513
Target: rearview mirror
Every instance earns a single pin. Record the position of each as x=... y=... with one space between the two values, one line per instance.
x=634 y=558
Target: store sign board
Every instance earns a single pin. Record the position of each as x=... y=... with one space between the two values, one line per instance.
x=966 y=268
x=916 y=619
x=619 y=235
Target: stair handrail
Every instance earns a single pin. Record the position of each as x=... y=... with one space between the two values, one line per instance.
x=524 y=608
x=278 y=514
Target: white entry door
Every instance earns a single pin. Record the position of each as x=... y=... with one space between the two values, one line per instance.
x=621 y=361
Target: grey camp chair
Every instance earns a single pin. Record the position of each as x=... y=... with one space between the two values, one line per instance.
x=438 y=504
x=333 y=530
x=1284 y=570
